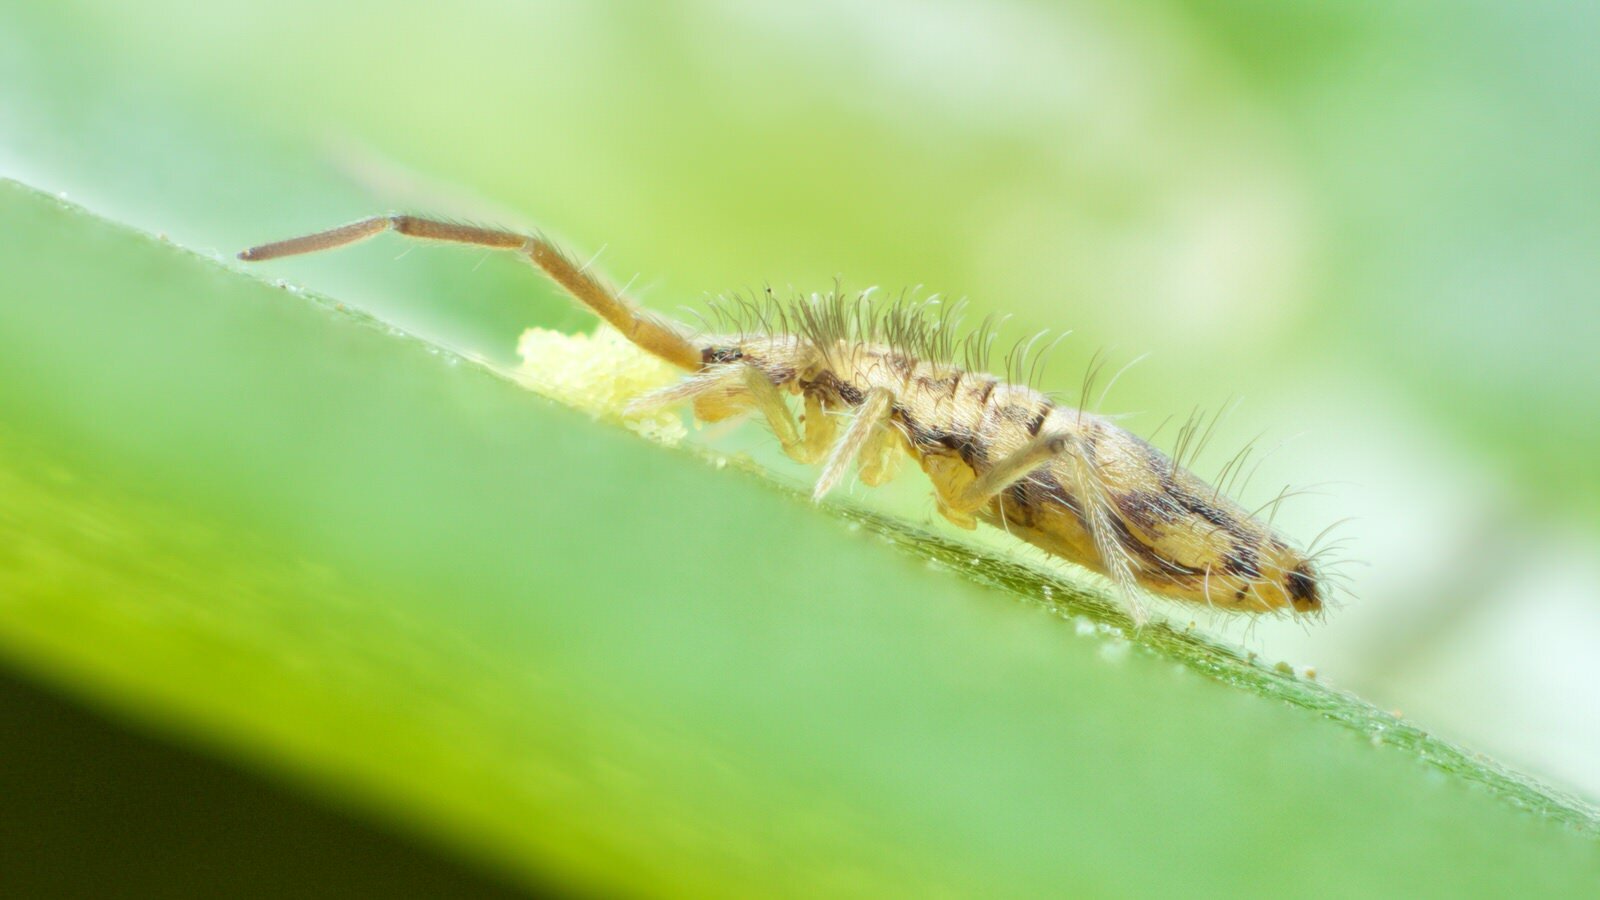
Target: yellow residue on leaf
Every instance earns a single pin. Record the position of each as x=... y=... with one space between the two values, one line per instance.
x=599 y=373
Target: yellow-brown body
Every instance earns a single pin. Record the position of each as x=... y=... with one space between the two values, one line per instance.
x=1169 y=531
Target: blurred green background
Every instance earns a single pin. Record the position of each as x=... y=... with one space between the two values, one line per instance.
x=1371 y=225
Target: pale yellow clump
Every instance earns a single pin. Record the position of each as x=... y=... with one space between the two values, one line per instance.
x=600 y=373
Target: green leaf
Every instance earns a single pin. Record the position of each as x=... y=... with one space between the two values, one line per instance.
x=314 y=543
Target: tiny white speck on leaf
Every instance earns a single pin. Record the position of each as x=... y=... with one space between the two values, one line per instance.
x=1115 y=651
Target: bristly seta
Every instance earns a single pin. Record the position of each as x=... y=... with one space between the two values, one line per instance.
x=995 y=449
